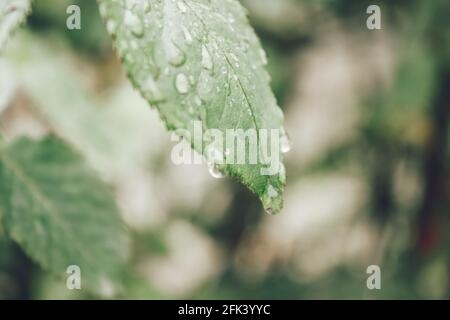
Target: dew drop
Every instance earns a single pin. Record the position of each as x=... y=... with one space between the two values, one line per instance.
x=151 y=91
x=206 y=59
x=285 y=143
x=182 y=83
x=272 y=192
x=176 y=57
x=134 y=23
x=214 y=170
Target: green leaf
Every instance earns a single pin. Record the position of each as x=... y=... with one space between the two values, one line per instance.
x=53 y=206
x=12 y=14
x=199 y=60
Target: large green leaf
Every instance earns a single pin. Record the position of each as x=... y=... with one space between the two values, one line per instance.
x=59 y=212
x=199 y=60
x=12 y=14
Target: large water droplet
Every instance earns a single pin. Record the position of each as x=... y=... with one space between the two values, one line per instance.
x=182 y=83
x=285 y=143
x=272 y=192
x=214 y=170
x=206 y=59
x=151 y=91
x=133 y=23
x=176 y=57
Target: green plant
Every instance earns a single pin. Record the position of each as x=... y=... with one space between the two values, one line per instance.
x=190 y=59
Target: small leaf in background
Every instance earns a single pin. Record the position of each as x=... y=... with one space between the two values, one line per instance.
x=12 y=14
x=60 y=213
x=201 y=61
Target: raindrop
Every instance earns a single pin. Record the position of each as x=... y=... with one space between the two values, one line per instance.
x=206 y=59
x=151 y=90
x=134 y=23
x=182 y=83
x=176 y=57
x=214 y=170
x=272 y=192
x=285 y=143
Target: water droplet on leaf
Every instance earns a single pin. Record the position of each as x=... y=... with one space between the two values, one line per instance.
x=206 y=59
x=176 y=57
x=182 y=83
x=133 y=23
x=272 y=192
x=214 y=170
x=151 y=91
x=285 y=143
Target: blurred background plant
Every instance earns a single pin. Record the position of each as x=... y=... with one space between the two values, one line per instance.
x=368 y=176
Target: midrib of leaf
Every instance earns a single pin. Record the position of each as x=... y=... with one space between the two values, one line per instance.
x=45 y=202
